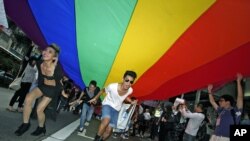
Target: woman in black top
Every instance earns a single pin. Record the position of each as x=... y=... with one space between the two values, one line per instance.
x=49 y=87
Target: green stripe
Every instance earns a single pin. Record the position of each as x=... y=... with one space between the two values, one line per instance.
x=100 y=27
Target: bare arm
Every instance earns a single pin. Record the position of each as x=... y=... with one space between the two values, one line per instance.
x=239 y=103
x=211 y=97
x=94 y=100
x=64 y=94
x=128 y=99
x=82 y=93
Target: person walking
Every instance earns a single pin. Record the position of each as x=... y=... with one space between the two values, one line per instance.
x=49 y=87
x=87 y=108
x=28 y=77
x=116 y=94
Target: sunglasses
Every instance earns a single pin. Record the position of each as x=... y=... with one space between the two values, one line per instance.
x=131 y=82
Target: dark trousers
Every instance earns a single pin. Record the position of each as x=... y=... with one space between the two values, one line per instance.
x=163 y=133
x=21 y=93
x=154 y=129
x=187 y=137
x=63 y=102
x=142 y=129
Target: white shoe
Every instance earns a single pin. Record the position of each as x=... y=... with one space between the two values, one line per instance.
x=114 y=135
x=124 y=137
x=86 y=123
x=80 y=130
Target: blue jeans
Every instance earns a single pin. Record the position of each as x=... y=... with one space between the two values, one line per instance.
x=86 y=114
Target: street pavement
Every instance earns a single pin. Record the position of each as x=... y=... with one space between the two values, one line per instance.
x=63 y=129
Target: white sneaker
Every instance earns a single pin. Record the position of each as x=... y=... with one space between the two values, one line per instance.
x=80 y=130
x=114 y=135
x=123 y=136
x=86 y=123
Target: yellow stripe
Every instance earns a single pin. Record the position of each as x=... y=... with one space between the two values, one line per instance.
x=154 y=27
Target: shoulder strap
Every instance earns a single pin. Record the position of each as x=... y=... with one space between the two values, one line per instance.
x=22 y=72
x=96 y=91
x=86 y=93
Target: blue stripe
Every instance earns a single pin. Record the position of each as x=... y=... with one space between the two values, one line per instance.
x=56 y=19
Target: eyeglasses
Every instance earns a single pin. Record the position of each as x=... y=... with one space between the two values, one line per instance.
x=131 y=82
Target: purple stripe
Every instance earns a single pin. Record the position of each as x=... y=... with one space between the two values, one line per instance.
x=19 y=12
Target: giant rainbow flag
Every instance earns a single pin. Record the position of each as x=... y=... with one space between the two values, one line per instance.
x=175 y=46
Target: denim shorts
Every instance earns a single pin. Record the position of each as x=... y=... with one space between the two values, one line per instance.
x=111 y=113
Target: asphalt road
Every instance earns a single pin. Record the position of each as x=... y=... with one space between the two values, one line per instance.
x=64 y=128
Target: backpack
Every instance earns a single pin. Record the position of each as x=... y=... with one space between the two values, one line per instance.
x=202 y=131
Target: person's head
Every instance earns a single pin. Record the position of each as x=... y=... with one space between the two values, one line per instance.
x=133 y=98
x=77 y=89
x=128 y=79
x=168 y=108
x=226 y=101
x=199 y=108
x=51 y=52
x=92 y=85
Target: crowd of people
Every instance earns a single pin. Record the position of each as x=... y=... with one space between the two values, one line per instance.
x=45 y=84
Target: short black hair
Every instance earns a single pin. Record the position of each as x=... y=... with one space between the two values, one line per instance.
x=93 y=82
x=229 y=98
x=130 y=73
x=133 y=98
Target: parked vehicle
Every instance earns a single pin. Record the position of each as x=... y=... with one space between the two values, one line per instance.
x=5 y=78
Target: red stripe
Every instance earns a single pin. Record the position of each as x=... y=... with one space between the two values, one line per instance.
x=217 y=72
x=223 y=28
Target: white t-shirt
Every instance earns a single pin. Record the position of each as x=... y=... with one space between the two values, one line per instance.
x=147 y=116
x=194 y=122
x=29 y=74
x=112 y=98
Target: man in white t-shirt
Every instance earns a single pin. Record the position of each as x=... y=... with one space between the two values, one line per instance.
x=194 y=122
x=111 y=105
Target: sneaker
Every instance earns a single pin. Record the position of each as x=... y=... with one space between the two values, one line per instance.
x=86 y=123
x=123 y=136
x=115 y=135
x=80 y=130
x=20 y=110
x=11 y=109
